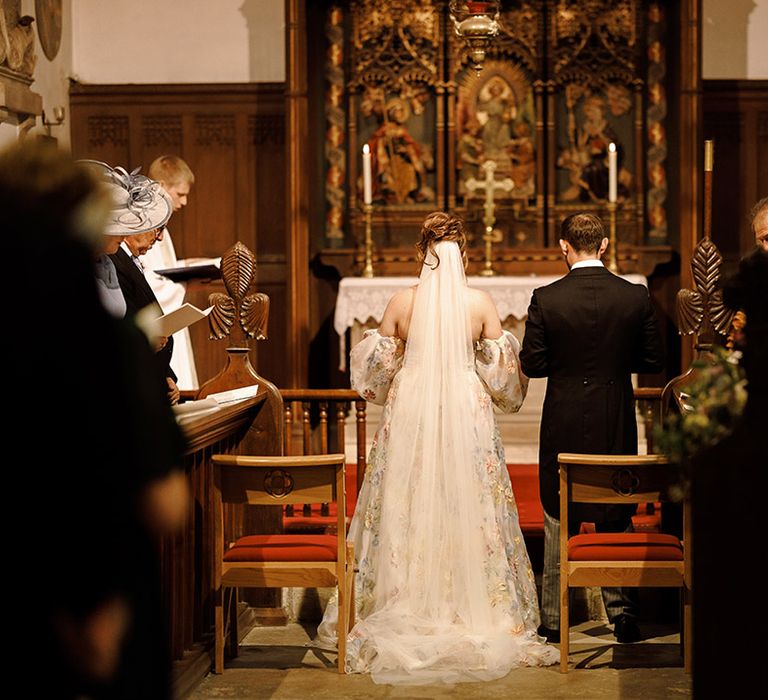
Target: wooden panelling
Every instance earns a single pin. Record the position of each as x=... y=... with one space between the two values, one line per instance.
x=736 y=117
x=233 y=137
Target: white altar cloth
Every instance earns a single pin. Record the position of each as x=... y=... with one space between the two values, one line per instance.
x=362 y=298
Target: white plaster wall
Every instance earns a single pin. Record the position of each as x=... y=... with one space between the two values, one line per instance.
x=178 y=41
x=735 y=39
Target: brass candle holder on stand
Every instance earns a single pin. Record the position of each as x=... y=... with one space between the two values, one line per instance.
x=488 y=270
x=368 y=267
x=613 y=253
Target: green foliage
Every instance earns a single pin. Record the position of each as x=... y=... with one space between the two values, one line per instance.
x=713 y=400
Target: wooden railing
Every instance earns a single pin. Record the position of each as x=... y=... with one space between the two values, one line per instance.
x=330 y=415
x=650 y=407
x=315 y=420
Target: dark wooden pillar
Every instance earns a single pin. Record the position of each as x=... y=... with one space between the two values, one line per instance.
x=297 y=215
x=691 y=147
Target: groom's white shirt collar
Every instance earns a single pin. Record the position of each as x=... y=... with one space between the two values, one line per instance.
x=587 y=263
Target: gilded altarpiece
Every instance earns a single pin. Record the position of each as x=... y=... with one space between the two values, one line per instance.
x=561 y=81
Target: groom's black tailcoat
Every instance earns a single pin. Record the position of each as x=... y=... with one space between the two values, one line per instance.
x=587 y=333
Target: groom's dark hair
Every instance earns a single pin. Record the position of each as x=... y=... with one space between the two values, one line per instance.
x=584 y=232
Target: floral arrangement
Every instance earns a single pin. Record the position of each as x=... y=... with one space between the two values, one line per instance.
x=712 y=401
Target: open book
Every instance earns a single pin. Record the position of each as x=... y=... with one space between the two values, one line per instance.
x=172 y=322
x=213 y=402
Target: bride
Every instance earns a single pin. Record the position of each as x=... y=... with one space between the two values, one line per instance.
x=445 y=590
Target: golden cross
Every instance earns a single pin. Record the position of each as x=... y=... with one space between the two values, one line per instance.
x=490 y=185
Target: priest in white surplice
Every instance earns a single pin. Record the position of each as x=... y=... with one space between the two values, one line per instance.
x=177 y=179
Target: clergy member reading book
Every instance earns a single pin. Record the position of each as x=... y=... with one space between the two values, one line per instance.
x=176 y=178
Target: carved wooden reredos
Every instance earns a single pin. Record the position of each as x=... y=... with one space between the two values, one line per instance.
x=561 y=81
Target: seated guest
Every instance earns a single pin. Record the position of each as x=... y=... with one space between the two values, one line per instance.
x=101 y=480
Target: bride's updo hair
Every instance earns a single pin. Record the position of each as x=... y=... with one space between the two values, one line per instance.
x=439 y=226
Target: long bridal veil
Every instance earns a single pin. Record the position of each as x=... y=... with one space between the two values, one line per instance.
x=442 y=611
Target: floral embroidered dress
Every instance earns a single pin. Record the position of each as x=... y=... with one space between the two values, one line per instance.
x=444 y=589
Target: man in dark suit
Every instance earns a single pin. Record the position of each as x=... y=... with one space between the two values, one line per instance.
x=138 y=294
x=587 y=333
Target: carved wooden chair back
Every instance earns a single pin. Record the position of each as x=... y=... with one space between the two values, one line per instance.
x=273 y=561
x=634 y=559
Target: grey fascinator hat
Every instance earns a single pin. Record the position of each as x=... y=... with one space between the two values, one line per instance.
x=138 y=203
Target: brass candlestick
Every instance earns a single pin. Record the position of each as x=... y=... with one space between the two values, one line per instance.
x=613 y=253
x=709 y=166
x=368 y=268
x=488 y=270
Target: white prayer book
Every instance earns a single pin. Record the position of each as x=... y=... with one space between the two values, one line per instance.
x=190 y=410
x=171 y=322
x=239 y=394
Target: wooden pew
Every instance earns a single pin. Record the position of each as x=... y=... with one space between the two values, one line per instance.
x=186 y=557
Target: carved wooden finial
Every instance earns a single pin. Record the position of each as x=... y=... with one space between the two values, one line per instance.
x=702 y=310
x=238 y=314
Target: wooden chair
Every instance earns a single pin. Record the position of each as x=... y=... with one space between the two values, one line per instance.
x=272 y=561
x=634 y=559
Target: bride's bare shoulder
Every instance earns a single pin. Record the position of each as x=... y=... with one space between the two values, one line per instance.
x=398 y=312
x=479 y=299
x=401 y=301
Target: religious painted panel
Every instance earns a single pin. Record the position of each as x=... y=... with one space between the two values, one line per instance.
x=495 y=120
x=594 y=62
x=395 y=54
x=589 y=119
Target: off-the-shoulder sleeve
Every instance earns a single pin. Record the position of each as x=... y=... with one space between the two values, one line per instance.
x=374 y=362
x=498 y=366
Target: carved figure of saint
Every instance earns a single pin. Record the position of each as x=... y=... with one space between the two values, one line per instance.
x=523 y=156
x=469 y=152
x=587 y=158
x=399 y=162
x=496 y=109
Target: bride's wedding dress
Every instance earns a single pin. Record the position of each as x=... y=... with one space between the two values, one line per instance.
x=444 y=589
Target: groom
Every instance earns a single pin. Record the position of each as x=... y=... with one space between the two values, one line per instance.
x=587 y=333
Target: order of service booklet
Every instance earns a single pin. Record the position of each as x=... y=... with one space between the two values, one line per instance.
x=166 y=325
x=175 y=320
x=213 y=402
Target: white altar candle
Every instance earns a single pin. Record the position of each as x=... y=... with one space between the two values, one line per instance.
x=612 y=162
x=367 y=190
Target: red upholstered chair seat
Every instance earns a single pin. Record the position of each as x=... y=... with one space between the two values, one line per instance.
x=525 y=486
x=609 y=546
x=283 y=548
